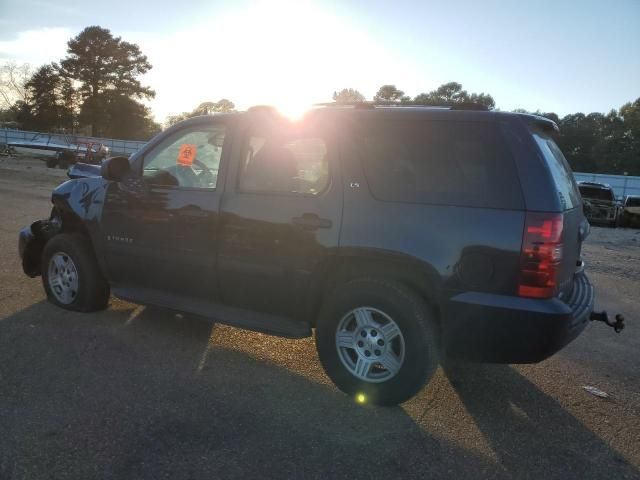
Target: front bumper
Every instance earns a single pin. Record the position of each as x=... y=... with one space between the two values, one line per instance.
x=504 y=329
x=31 y=241
x=30 y=248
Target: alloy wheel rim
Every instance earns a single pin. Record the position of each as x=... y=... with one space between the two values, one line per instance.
x=63 y=278
x=370 y=344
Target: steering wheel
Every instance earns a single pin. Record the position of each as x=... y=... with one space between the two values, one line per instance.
x=188 y=176
x=206 y=176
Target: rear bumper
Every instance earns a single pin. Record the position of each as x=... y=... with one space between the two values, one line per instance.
x=504 y=329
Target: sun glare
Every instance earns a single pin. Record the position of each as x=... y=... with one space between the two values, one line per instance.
x=291 y=54
x=293 y=110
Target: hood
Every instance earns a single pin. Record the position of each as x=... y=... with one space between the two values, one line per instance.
x=84 y=170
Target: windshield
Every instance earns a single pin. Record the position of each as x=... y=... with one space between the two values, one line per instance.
x=596 y=193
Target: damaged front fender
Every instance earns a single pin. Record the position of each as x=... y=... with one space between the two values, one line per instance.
x=32 y=240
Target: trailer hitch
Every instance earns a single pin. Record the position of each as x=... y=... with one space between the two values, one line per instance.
x=617 y=325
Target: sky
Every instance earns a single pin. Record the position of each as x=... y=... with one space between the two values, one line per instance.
x=556 y=56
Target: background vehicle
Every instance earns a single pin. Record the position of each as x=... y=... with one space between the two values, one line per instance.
x=85 y=152
x=603 y=206
x=631 y=211
x=400 y=234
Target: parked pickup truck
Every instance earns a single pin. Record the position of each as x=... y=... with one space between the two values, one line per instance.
x=603 y=207
x=401 y=235
x=631 y=211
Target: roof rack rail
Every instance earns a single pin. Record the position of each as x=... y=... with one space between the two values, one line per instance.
x=370 y=105
x=469 y=106
x=264 y=108
x=364 y=105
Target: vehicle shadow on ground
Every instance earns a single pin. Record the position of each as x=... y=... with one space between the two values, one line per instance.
x=124 y=394
x=520 y=422
x=127 y=393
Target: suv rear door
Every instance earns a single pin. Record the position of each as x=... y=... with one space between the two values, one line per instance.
x=280 y=214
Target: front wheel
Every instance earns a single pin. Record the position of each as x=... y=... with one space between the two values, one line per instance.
x=71 y=276
x=377 y=341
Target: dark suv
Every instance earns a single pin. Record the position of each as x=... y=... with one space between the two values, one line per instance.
x=402 y=235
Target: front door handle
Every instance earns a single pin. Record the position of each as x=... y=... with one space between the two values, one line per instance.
x=311 y=221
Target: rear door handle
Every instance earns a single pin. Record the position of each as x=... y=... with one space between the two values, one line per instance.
x=311 y=221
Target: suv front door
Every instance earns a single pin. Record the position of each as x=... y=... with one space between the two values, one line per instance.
x=161 y=226
x=280 y=215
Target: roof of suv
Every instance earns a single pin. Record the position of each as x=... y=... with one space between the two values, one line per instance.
x=460 y=112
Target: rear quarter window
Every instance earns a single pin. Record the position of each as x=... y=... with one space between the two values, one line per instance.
x=439 y=162
x=564 y=182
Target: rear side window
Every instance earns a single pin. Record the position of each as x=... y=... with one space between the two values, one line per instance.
x=633 y=202
x=438 y=162
x=563 y=179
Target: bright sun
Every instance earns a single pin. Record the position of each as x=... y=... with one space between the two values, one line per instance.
x=289 y=54
x=286 y=48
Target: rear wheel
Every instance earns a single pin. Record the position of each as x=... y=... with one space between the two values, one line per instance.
x=71 y=276
x=377 y=341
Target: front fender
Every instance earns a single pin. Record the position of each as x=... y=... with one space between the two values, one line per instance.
x=31 y=242
x=79 y=203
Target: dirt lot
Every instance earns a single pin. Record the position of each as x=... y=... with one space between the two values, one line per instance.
x=132 y=393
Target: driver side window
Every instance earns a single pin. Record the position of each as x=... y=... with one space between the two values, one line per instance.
x=189 y=158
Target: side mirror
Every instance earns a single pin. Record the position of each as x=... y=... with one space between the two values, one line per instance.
x=115 y=168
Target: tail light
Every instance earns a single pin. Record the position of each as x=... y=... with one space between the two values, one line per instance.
x=541 y=255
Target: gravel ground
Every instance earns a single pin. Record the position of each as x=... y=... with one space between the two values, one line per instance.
x=135 y=393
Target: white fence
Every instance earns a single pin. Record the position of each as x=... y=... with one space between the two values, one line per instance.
x=622 y=185
x=116 y=147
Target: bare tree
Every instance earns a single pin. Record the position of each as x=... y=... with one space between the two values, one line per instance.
x=13 y=81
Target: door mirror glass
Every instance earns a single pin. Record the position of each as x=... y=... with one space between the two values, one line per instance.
x=115 y=168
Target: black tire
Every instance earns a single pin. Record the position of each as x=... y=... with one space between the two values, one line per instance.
x=66 y=159
x=416 y=322
x=93 y=290
x=624 y=222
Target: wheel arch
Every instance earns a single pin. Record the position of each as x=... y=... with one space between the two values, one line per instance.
x=345 y=265
x=71 y=222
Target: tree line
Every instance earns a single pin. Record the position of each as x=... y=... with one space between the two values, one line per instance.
x=594 y=142
x=601 y=143
x=447 y=94
x=96 y=89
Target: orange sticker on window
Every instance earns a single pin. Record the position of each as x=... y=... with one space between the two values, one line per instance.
x=187 y=154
